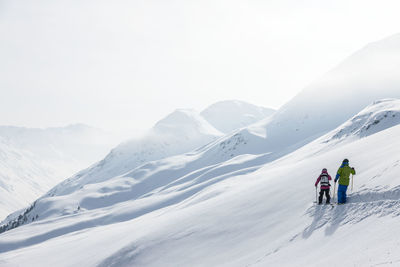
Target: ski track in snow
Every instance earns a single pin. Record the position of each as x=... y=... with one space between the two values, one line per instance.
x=359 y=206
x=386 y=263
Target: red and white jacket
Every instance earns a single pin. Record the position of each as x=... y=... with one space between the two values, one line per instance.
x=324 y=178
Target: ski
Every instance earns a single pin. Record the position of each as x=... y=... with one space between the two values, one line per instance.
x=323 y=204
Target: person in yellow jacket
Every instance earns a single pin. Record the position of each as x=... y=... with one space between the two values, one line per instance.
x=343 y=175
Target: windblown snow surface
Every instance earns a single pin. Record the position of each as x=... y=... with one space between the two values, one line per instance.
x=163 y=214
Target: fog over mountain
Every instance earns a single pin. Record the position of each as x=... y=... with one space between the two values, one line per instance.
x=34 y=160
x=227 y=116
x=48 y=156
x=180 y=132
x=195 y=193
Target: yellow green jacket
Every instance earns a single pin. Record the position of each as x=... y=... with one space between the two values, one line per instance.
x=343 y=174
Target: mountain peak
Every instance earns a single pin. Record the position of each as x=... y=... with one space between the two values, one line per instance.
x=378 y=116
x=184 y=121
x=230 y=115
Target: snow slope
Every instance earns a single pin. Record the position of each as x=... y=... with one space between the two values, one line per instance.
x=19 y=178
x=35 y=160
x=370 y=74
x=179 y=132
x=230 y=115
x=243 y=199
x=319 y=108
x=235 y=213
x=61 y=152
x=376 y=117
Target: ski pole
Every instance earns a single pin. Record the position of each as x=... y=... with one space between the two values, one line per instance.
x=316 y=195
x=334 y=193
x=352 y=179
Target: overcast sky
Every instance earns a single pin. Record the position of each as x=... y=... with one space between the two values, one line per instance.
x=122 y=65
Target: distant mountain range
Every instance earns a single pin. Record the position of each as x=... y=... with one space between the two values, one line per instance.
x=227 y=116
x=180 y=132
x=194 y=192
x=48 y=156
x=34 y=160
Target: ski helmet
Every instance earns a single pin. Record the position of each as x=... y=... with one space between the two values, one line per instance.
x=345 y=161
x=324 y=170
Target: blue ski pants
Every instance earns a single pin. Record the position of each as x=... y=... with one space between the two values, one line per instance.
x=341 y=193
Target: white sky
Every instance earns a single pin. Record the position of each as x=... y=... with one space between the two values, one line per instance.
x=124 y=64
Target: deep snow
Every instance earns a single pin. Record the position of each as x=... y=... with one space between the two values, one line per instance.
x=245 y=199
x=263 y=217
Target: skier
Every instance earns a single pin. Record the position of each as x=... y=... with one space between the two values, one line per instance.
x=343 y=175
x=324 y=178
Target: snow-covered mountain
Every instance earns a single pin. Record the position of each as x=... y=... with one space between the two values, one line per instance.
x=380 y=115
x=241 y=200
x=179 y=132
x=35 y=160
x=370 y=74
x=23 y=178
x=233 y=213
x=60 y=152
x=230 y=115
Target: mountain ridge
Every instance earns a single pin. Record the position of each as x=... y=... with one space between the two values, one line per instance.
x=222 y=208
x=243 y=199
x=185 y=171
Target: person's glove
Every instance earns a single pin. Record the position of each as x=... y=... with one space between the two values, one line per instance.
x=335 y=180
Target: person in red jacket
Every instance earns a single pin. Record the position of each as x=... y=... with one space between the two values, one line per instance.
x=324 y=178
